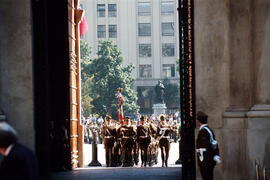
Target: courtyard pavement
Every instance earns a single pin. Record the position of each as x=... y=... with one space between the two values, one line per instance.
x=156 y=172
x=87 y=152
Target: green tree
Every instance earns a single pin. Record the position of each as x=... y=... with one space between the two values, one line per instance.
x=108 y=75
x=171 y=94
x=178 y=65
x=85 y=52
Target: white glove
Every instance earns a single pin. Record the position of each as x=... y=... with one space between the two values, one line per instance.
x=217 y=159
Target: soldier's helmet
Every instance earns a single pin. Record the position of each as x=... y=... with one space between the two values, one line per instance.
x=127 y=118
x=107 y=118
x=162 y=117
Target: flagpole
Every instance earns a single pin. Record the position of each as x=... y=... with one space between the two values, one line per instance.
x=120 y=106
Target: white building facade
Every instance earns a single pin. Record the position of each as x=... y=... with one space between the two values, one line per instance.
x=146 y=31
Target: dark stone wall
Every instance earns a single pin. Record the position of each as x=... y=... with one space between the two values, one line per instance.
x=16 y=71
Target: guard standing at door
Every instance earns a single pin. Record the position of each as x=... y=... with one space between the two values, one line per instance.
x=108 y=135
x=164 y=139
x=128 y=134
x=207 y=148
x=143 y=139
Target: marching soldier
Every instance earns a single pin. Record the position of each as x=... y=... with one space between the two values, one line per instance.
x=108 y=135
x=143 y=139
x=117 y=146
x=136 y=145
x=207 y=148
x=153 y=148
x=163 y=133
x=128 y=133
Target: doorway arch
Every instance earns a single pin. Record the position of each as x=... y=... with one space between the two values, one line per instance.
x=57 y=88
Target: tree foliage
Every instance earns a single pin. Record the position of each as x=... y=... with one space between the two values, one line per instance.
x=85 y=52
x=108 y=74
x=178 y=65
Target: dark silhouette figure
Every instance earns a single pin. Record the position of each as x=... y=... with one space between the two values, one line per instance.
x=19 y=161
x=159 y=90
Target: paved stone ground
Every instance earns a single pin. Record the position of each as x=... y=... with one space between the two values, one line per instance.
x=87 y=152
x=173 y=172
x=153 y=173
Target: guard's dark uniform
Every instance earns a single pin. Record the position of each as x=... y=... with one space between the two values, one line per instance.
x=128 y=134
x=206 y=150
x=108 y=135
x=164 y=142
x=143 y=139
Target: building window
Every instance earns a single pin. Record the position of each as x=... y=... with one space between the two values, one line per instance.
x=145 y=50
x=144 y=29
x=112 y=10
x=168 y=70
x=145 y=70
x=144 y=9
x=167 y=8
x=167 y=29
x=112 y=31
x=168 y=49
x=101 y=10
x=101 y=30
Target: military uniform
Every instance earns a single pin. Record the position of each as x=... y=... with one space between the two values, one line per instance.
x=207 y=151
x=143 y=139
x=128 y=134
x=135 y=148
x=117 y=161
x=163 y=132
x=153 y=149
x=108 y=135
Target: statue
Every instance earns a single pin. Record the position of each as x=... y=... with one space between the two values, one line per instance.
x=159 y=90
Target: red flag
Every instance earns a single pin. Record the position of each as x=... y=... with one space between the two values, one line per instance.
x=83 y=26
x=120 y=110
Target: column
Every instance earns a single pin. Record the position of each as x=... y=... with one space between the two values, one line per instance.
x=258 y=133
x=240 y=90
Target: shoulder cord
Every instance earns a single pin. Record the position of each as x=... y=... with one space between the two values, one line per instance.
x=211 y=135
x=108 y=132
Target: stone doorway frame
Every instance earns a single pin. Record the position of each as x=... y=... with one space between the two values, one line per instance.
x=57 y=88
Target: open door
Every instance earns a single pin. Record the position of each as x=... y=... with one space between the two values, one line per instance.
x=76 y=142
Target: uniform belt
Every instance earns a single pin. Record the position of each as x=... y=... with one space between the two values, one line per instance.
x=108 y=137
x=128 y=137
x=165 y=137
x=143 y=136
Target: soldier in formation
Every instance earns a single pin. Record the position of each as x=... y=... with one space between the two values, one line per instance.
x=124 y=142
x=143 y=139
x=108 y=135
x=128 y=133
x=163 y=133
